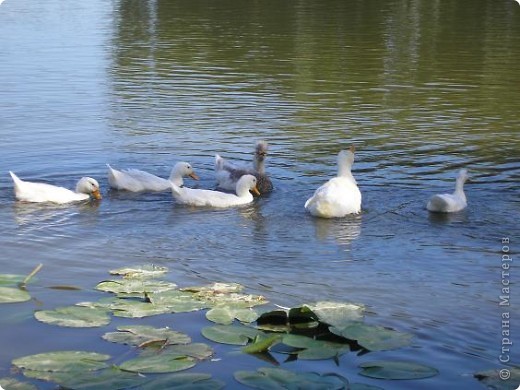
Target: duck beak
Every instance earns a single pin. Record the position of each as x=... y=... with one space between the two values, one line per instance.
x=96 y=195
x=255 y=191
x=194 y=176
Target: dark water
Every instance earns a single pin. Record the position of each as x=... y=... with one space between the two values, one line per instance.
x=422 y=88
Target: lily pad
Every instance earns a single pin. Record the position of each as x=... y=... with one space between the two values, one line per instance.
x=142 y=271
x=235 y=335
x=374 y=338
x=74 y=316
x=142 y=335
x=338 y=314
x=184 y=380
x=63 y=361
x=135 y=286
x=312 y=349
x=13 y=384
x=493 y=378
x=178 y=301
x=13 y=295
x=11 y=279
x=111 y=378
x=136 y=308
x=215 y=288
x=277 y=378
x=225 y=315
x=390 y=369
x=158 y=363
x=199 y=351
x=262 y=343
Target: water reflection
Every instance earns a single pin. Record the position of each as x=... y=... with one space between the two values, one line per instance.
x=341 y=230
x=41 y=216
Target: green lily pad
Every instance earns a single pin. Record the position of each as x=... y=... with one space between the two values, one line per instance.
x=199 y=351
x=13 y=384
x=11 y=279
x=390 y=369
x=74 y=317
x=178 y=301
x=158 y=363
x=110 y=378
x=493 y=378
x=135 y=286
x=374 y=338
x=136 y=308
x=277 y=378
x=313 y=349
x=142 y=335
x=13 y=295
x=143 y=271
x=184 y=380
x=215 y=288
x=262 y=343
x=225 y=334
x=225 y=315
x=338 y=314
x=63 y=361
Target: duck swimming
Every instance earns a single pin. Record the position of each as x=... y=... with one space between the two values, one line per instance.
x=450 y=203
x=27 y=191
x=200 y=197
x=340 y=195
x=135 y=180
x=227 y=173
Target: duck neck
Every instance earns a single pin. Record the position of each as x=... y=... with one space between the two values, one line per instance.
x=259 y=164
x=344 y=170
x=459 y=188
x=176 y=177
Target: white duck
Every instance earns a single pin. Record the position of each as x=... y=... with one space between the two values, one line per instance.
x=27 y=191
x=227 y=174
x=199 y=197
x=135 y=180
x=450 y=203
x=340 y=195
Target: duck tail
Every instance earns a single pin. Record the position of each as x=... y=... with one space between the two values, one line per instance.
x=15 y=178
x=219 y=162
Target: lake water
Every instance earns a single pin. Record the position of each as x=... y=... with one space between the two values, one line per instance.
x=422 y=88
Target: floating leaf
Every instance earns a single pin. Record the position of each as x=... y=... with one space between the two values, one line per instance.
x=215 y=288
x=135 y=286
x=158 y=363
x=142 y=335
x=493 y=378
x=262 y=343
x=135 y=308
x=226 y=315
x=63 y=361
x=338 y=314
x=277 y=378
x=74 y=316
x=143 y=271
x=11 y=279
x=374 y=338
x=235 y=335
x=13 y=295
x=13 y=384
x=315 y=349
x=199 y=351
x=183 y=380
x=389 y=369
x=178 y=301
x=111 y=378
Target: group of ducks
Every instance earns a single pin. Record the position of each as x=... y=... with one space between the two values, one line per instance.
x=338 y=197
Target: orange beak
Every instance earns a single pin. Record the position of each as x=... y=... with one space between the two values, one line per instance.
x=255 y=191
x=194 y=176
x=96 y=194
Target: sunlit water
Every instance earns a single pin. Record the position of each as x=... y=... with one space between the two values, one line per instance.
x=421 y=88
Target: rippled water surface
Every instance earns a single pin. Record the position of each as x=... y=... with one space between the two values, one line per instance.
x=421 y=88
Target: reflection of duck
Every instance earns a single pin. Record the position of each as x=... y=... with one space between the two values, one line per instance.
x=199 y=197
x=227 y=174
x=343 y=231
x=27 y=191
x=135 y=180
x=450 y=203
x=340 y=195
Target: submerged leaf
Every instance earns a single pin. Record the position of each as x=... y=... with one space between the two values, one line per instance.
x=374 y=338
x=277 y=378
x=13 y=384
x=235 y=335
x=183 y=380
x=390 y=369
x=74 y=316
x=11 y=279
x=63 y=361
x=142 y=335
x=13 y=295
